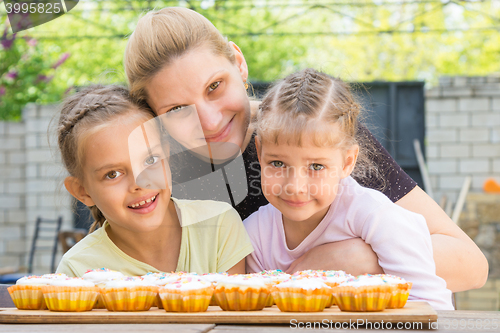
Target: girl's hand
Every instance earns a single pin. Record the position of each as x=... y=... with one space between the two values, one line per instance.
x=353 y=256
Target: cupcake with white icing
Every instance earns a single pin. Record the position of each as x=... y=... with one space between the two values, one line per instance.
x=365 y=293
x=187 y=294
x=273 y=277
x=27 y=292
x=242 y=293
x=99 y=277
x=302 y=294
x=401 y=291
x=128 y=294
x=333 y=279
x=72 y=294
x=213 y=278
x=159 y=280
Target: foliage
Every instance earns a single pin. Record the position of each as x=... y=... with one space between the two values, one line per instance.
x=25 y=74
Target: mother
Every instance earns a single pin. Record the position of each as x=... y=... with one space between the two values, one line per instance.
x=176 y=57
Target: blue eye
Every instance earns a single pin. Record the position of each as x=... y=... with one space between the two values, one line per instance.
x=316 y=167
x=151 y=160
x=277 y=164
x=113 y=174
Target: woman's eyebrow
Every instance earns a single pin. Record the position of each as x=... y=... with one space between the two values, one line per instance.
x=209 y=81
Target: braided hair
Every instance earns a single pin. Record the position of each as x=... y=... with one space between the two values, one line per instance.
x=305 y=104
x=85 y=110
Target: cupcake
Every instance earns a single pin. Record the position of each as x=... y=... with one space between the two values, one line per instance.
x=400 y=293
x=99 y=277
x=213 y=278
x=333 y=279
x=70 y=294
x=128 y=294
x=301 y=295
x=273 y=277
x=308 y=273
x=188 y=294
x=159 y=280
x=365 y=293
x=242 y=293
x=27 y=292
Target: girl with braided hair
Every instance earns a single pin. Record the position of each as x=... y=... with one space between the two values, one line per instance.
x=141 y=229
x=307 y=148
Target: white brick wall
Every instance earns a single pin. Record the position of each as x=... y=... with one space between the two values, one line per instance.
x=438 y=135
x=473 y=104
x=453 y=120
x=463 y=133
x=473 y=166
x=453 y=150
x=30 y=179
x=474 y=135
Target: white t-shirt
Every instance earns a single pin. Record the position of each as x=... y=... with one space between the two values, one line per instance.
x=400 y=239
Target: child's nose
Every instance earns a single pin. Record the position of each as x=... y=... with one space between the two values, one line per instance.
x=132 y=183
x=297 y=182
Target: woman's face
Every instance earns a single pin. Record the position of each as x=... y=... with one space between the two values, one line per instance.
x=215 y=86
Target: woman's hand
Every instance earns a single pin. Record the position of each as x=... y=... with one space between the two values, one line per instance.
x=458 y=259
x=353 y=256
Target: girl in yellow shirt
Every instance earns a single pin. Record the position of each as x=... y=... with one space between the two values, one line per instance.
x=142 y=229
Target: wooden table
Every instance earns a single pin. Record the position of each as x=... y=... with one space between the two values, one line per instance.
x=448 y=321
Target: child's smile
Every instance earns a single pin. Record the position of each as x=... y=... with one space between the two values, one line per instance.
x=144 y=205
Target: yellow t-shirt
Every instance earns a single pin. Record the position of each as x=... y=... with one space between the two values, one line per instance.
x=213 y=245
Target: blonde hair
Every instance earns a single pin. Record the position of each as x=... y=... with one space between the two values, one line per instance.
x=306 y=104
x=84 y=113
x=164 y=35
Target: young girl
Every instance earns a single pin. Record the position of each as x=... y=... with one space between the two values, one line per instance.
x=307 y=149
x=142 y=229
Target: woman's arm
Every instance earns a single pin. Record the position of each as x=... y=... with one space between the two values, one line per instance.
x=455 y=254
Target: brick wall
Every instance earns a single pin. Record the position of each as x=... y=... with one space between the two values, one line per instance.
x=30 y=185
x=12 y=194
x=463 y=138
x=463 y=133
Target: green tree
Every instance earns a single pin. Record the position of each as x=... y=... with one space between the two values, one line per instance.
x=25 y=74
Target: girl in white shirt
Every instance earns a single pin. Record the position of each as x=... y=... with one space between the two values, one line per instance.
x=307 y=148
